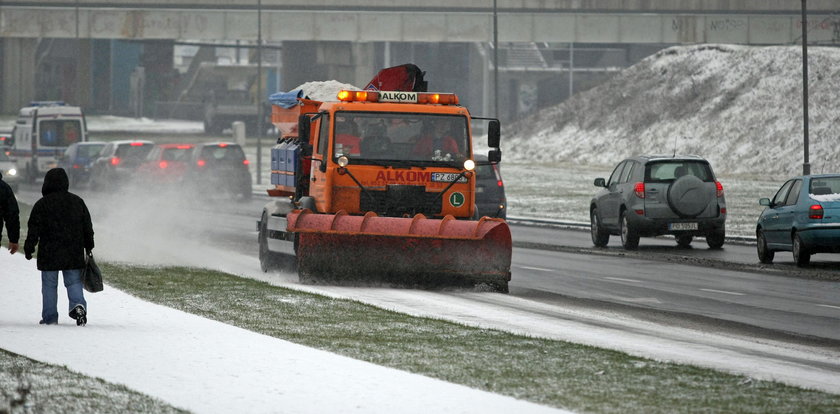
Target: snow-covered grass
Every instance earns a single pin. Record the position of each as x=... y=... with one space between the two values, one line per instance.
x=555 y=373
x=28 y=386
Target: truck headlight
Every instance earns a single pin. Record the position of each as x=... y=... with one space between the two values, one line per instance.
x=343 y=161
x=469 y=165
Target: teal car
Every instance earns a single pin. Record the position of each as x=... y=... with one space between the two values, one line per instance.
x=803 y=217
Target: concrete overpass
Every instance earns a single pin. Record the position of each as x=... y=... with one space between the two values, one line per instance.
x=349 y=39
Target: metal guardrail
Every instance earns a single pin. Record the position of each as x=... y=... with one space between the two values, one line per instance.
x=575 y=225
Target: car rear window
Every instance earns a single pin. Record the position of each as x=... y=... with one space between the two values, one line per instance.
x=485 y=172
x=133 y=151
x=823 y=186
x=661 y=171
x=226 y=153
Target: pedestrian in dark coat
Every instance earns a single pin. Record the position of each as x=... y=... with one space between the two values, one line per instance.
x=61 y=228
x=9 y=214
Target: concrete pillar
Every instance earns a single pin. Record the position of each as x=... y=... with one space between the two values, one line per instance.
x=17 y=73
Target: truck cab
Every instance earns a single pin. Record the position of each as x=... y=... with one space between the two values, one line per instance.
x=42 y=132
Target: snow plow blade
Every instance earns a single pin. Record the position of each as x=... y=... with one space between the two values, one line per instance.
x=340 y=248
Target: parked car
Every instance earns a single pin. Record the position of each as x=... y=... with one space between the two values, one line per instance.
x=489 y=189
x=803 y=217
x=220 y=167
x=166 y=164
x=653 y=195
x=78 y=160
x=118 y=162
x=9 y=170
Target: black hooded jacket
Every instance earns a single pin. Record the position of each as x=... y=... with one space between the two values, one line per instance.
x=59 y=225
x=9 y=212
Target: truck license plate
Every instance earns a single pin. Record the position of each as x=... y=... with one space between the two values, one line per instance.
x=447 y=178
x=682 y=226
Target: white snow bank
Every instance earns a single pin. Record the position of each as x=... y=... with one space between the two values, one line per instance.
x=738 y=106
x=209 y=367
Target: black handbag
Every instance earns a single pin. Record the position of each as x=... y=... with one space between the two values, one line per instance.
x=91 y=275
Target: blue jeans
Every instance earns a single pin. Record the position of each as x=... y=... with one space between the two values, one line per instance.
x=49 y=292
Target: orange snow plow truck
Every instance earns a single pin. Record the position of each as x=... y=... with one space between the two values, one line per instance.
x=379 y=186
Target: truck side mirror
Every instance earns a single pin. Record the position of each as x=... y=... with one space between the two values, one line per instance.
x=493 y=134
x=303 y=127
x=494 y=156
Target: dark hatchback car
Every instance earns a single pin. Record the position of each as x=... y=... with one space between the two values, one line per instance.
x=117 y=163
x=78 y=160
x=656 y=195
x=803 y=217
x=220 y=168
x=489 y=189
x=166 y=164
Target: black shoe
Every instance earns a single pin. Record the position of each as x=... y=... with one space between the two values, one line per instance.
x=79 y=314
x=42 y=322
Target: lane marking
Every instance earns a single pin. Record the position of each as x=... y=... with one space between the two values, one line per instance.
x=829 y=306
x=624 y=280
x=540 y=269
x=724 y=292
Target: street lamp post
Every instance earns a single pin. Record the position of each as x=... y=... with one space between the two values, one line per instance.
x=259 y=93
x=806 y=166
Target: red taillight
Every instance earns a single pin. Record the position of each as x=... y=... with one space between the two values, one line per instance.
x=639 y=189
x=163 y=164
x=115 y=161
x=815 y=212
x=184 y=146
x=76 y=166
x=201 y=163
x=136 y=144
x=719 y=187
x=246 y=162
x=222 y=145
x=500 y=183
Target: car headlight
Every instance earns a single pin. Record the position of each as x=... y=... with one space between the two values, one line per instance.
x=12 y=172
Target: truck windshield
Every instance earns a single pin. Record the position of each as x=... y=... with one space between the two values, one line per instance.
x=59 y=133
x=407 y=138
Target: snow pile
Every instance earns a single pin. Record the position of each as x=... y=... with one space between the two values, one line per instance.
x=324 y=90
x=738 y=106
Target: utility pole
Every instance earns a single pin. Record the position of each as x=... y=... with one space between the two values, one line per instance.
x=496 y=61
x=259 y=93
x=806 y=166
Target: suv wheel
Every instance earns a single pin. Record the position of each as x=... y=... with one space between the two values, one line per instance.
x=715 y=240
x=765 y=255
x=600 y=237
x=684 y=240
x=629 y=236
x=801 y=255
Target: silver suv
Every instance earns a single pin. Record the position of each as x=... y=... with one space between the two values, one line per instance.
x=652 y=195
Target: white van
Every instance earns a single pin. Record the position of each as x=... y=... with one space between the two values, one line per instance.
x=42 y=132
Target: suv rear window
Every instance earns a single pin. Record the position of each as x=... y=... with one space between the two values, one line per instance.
x=661 y=171
x=176 y=154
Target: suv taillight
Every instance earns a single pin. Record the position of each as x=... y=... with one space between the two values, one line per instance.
x=639 y=190
x=719 y=187
x=815 y=212
x=115 y=161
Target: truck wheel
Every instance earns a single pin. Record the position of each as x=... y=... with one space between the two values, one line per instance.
x=629 y=236
x=268 y=260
